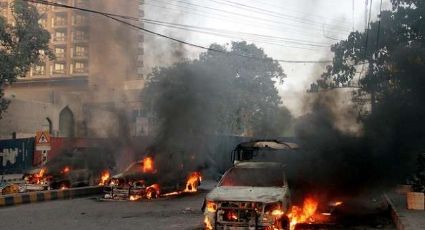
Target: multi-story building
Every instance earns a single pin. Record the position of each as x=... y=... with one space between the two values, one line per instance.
x=95 y=78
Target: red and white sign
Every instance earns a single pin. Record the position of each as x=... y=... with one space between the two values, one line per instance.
x=42 y=141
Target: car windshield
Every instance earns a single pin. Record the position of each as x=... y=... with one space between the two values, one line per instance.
x=255 y=177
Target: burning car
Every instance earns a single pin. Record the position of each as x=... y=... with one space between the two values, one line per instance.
x=250 y=195
x=141 y=180
x=81 y=167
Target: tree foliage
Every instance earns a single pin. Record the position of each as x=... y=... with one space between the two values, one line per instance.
x=22 y=44
x=392 y=51
x=217 y=93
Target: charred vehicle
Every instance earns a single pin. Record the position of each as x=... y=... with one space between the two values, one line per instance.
x=250 y=195
x=80 y=167
x=261 y=150
x=141 y=180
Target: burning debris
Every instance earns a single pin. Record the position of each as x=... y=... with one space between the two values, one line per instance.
x=303 y=215
x=105 y=177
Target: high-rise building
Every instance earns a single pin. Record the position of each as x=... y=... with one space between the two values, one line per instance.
x=94 y=79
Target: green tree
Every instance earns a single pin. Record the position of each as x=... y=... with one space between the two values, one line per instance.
x=22 y=44
x=217 y=94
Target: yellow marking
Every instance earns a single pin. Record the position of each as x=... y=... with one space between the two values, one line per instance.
x=33 y=197
x=17 y=199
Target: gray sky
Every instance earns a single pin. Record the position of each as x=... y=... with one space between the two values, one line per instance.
x=285 y=29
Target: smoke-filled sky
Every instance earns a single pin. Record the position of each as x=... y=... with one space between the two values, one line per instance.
x=285 y=29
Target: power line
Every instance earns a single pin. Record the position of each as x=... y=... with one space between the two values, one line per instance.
x=379 y=25
x=284 y=39
x=241 y=15
x=115 y=18
x=195 y=11
x=271 y=13
x=249 y=37
x=368 y=26
x=305 y=14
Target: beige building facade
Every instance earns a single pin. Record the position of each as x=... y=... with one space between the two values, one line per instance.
x=92 y=86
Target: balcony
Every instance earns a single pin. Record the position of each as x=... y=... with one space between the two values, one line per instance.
x=81 y=55
x=39 y=71
x=60 y=56
x=80 y=37
x=60 y=23
x=80 y=20
x=59 y=39
x=81 y=71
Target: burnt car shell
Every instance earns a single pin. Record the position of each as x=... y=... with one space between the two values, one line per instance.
x=134 y=182
x=247 y=197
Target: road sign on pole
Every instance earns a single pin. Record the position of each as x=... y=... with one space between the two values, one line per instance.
x=42 y=141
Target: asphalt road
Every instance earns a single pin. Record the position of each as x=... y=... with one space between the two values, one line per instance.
x=181 y=212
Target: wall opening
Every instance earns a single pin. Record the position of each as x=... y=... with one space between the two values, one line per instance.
x=66 y=123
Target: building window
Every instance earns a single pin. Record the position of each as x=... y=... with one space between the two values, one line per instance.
x=43 y=22
x=80 y=51
x=59 y=21
x=80 y=35
x=59 y=68
x=80 y=20
x=39 y=70
x=60 y=36
x=80 y=67
x=60 y=52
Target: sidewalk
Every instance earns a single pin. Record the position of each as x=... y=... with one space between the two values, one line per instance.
x=404 y=219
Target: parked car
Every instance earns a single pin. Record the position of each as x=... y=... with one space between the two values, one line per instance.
x=250 y=195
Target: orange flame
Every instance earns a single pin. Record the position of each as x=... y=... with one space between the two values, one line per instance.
x=38 y=178
x=135 y=197
x=65 y=170
x=148 y=166
x=192 y=182
x=104 y=177
x=304 y=214
x=63 y=187
x=41 y=173
x=208 y=225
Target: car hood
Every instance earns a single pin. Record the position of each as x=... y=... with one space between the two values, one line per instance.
x=252 y=194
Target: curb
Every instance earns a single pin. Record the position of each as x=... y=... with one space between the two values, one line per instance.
x=33 y=197
x=394 y=214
